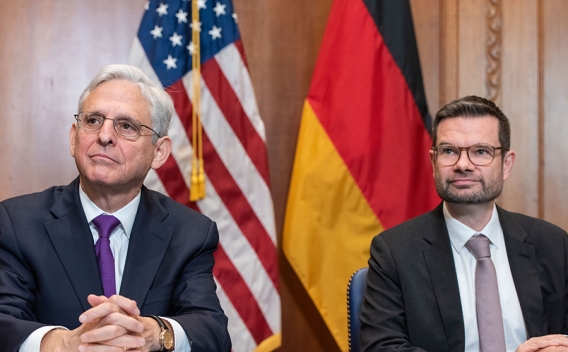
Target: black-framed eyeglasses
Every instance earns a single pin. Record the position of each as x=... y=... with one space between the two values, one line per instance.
x=478 y=154
x=126 y=127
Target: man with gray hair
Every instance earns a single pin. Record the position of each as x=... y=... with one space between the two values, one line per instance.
x=104 y=264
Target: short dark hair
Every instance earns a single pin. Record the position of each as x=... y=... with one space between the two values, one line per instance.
x=474 y=106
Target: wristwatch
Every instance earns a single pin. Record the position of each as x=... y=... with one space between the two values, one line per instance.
x=166 y=335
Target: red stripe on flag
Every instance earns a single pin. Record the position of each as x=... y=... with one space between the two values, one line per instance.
x=229 y=192
x=173 y=182
x=233 y=111
x=240 y=296
x=364 y=104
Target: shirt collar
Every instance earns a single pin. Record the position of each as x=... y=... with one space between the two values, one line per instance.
x=460 y=233
x=126 y=214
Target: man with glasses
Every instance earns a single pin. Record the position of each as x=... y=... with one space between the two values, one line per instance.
x=468 y=276
x=104 y=264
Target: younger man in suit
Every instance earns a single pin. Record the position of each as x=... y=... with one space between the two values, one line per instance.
x=104 y=264
x=429 y=286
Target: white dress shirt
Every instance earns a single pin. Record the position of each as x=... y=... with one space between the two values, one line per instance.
x=465 y=262
x=119 y=240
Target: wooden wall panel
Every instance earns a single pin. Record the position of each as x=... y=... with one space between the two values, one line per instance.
x=51 y=49
x=471 y=43
x=519 y=101
x=427 y=25
x=555 y=108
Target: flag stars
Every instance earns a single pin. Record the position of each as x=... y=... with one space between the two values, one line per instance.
x=201 y=4
x=162 y=9
x=176 y=39
x=156 y=32
x=191 y=47
x=215 y=32
x=170 y=62
x=234 y=15
x=147 y=6
x=219 y=9
x=196 y=25
x=181 y=16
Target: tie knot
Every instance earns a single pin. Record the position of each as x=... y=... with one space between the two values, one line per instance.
x=479 y=246
x=105 y=224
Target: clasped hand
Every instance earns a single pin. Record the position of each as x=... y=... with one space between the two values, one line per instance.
x=112 y=324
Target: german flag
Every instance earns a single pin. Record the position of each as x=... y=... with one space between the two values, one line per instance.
x=361 y=161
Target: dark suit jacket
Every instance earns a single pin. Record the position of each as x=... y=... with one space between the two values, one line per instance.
x=412 y=302
x=48 y=266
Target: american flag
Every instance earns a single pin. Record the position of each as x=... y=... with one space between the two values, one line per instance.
x=234 y=152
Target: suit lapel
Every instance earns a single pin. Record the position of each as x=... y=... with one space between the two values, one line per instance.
x=524 y=270
x=148 y=243
x=73 y=242
x=440 y=264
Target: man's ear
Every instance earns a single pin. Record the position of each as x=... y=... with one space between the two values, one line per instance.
x=72 y=137
x=433 y=160
x=163 y=148
x=508 y=162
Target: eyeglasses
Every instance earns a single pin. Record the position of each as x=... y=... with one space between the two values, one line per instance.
x=478 y=154
x=126 y=127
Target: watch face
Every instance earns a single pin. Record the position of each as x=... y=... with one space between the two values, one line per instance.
x=168 y=339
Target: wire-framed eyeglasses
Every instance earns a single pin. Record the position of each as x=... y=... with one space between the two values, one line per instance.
x=478 y=154
x=125 y=127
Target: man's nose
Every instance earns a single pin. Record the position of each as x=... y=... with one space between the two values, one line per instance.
x=107 y=134
x=463 y=162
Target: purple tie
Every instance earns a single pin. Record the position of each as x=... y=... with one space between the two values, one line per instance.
x=487 y=305
x=105 y=224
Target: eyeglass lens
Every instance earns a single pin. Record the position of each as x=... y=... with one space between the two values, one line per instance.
x=479 y=155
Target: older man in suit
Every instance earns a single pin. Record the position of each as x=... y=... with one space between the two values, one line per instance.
x=468 y=276
x=104 y=264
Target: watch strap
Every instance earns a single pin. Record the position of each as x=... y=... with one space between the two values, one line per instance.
x=163 y=327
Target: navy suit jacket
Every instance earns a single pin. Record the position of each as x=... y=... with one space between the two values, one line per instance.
x=412 y=301
x=48 y=266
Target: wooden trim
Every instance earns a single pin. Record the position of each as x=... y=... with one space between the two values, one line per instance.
x=494 y=23
x=540 y=113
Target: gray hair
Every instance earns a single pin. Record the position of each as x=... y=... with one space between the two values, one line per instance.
x=161 y=104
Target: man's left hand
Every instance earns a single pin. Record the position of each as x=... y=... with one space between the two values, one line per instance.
x=119 y=325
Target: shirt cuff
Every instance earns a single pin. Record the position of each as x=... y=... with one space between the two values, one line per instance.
x=181 y=340
x=33 y=342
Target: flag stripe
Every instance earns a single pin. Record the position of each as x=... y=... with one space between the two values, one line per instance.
x=236 y=159
x=229 y=276
x=246 y=261
x=399 y=37
x=361 y=158
x=173 y=182
x=240 y=297
x=238 y=196
x=391 y=113
x=229 y=105
x=233 y=155
x=229 y=192
x=232 y=65
x=240 y=335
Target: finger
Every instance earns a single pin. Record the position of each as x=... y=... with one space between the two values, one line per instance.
x=99 y=312
x=116 y=324
x=103 y=348
x=126 y=304
x=95 y=300
x=128 y=341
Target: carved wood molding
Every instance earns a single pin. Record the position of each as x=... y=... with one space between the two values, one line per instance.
x=494 y=23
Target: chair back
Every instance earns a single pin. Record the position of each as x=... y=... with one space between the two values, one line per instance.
x=355 y=291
